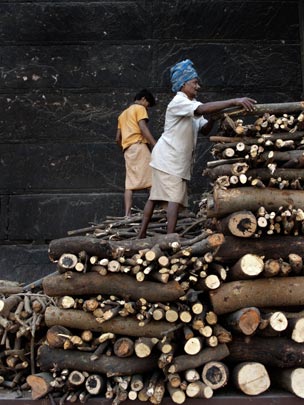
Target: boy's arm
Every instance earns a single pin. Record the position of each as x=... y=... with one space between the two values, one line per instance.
x=118 y=137
x=146 y=132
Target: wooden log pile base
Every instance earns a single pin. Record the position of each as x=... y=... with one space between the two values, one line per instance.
x=137 y=310
x=123 y=319
x=217 y=304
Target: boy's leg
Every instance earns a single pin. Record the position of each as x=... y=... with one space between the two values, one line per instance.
x=172 y=214
x=147 y=215
x=128 y=202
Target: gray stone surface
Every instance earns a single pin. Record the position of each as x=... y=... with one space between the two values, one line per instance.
x=25 y=263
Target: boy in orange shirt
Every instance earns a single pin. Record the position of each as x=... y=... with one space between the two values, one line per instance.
x=134 y=137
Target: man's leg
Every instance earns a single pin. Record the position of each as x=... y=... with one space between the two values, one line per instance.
x=172 y=213
x=128 y=202
x=147 y=215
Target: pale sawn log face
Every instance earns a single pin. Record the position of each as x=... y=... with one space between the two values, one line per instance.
x=251 y=378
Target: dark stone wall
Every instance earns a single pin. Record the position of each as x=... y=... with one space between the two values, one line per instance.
x=68 y=68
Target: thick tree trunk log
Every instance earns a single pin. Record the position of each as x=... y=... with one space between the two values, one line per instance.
x=251 y=378
x=40 y=384
x=290 y=379
x=184 y=362
x=109 y=365
x=248 y=266
x=215 y=374
x=245 y=320
x=224 y=202
x=282 y=156
x=242 y=224
x=92 y=283
x=121 y=326
x=102 y=249
x=272 y=247
x=282 y=352
x=272 y=292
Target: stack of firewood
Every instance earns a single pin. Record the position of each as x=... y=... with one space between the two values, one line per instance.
x=218 y=304
x=132 y=319
x=21 y=328
x=257 y=202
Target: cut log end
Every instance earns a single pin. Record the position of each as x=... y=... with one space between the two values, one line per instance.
x=251 y=378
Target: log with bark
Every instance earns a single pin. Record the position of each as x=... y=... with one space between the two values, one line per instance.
x=120 y=285
x=272 y=247
x=278 y=352
x=40 y=384
x=215 y=374
x=290 y=379
x=224 y=202
x=96 y=247
x=242 y=224
x=120 y=325
x=109 y=365
x=270 y=292
x=184 y=362
x=248 y=266
x=245 y=320
x=251 y=378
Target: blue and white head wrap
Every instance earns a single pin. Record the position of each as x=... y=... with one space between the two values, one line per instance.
x=181 y=73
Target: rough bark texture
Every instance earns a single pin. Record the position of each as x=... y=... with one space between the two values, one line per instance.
x=93 y=283
x=274 y=292
x=282 y=352
x=81 y=361
x=102 y=248
x=272 y=247
x=225 y=202
x=119 y=325
x=184 y=362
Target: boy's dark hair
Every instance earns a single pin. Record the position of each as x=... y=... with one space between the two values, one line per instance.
x=148 y=96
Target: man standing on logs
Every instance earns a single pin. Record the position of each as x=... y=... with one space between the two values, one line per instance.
x=172 y=155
